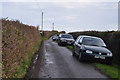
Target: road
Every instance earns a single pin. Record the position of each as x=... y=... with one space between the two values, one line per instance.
x=58 y=62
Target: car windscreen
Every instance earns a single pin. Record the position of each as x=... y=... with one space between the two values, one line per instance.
x=67 y=36
x=55 y=36
x=93 y=41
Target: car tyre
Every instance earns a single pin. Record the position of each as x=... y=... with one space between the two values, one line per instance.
x=59 y=44
x=80 y=57
x=73 y=53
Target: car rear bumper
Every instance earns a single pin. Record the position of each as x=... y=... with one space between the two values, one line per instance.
x=67 y=43
x=97 y=58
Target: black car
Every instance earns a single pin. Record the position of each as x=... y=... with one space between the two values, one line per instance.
x=55 y=38
x=65 y=39
x=90 y=48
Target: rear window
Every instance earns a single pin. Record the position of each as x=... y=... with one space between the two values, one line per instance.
x=66 y=36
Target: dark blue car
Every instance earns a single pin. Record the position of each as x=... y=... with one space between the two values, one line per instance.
x=90 y=48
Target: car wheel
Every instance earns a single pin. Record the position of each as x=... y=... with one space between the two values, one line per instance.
x=73 y=53
x=80 y=57
x=59 y=43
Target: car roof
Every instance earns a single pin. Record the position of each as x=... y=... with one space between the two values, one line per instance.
x=65 y=34
x=89 y=36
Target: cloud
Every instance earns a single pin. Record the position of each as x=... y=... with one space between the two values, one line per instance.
x=17 y=0
x=74 y=5
x=67 y=16
x=60 y=0
x=71 y=18
x=48 y=19
x=0 y=10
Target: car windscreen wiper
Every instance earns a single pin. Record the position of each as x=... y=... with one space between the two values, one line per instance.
x=94 y=45
x=98 y=45
x=104 y=46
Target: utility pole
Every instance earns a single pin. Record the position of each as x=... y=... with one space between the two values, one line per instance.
x=53 y=26
x=42 y=23
x=119 y=16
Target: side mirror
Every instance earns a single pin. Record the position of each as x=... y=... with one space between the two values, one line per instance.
x=79 y=43
x=107 y=47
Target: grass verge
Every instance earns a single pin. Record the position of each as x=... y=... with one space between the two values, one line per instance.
x=110 y=70
x=69 y=47
x=22 y=69
x=44 y=38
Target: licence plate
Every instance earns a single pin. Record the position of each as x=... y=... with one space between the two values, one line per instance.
x=96 y=56
x=69 y=42
x=101 y=57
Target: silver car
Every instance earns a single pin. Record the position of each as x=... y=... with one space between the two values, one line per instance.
x=65 y=39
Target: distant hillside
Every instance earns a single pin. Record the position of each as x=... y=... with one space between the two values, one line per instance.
x=19 y=42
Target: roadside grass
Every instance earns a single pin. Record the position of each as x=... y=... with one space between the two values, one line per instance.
x=22 y=69
x=44 y=38
x=111 y=70
x=19 y=44
x=69 y=47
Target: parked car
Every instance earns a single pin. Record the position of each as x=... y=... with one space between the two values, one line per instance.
x=90 y=48
x=55 y=38
x=65 y=39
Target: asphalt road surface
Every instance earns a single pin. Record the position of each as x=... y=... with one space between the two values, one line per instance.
x=58 y=62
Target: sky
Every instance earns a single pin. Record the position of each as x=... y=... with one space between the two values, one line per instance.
x=67 y=15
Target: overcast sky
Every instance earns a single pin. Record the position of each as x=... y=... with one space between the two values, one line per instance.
x=67 y=15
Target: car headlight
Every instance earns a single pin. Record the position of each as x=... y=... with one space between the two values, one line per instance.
x=109 y=54
x=73 y=40
x=88 y=51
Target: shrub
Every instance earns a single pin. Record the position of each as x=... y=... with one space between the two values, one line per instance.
x=17 y=41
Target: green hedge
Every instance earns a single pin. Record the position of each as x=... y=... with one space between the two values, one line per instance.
x=18 y=43
x=111 y=38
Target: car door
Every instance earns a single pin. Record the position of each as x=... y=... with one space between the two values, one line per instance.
x=59 y=38
x=76 y=45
